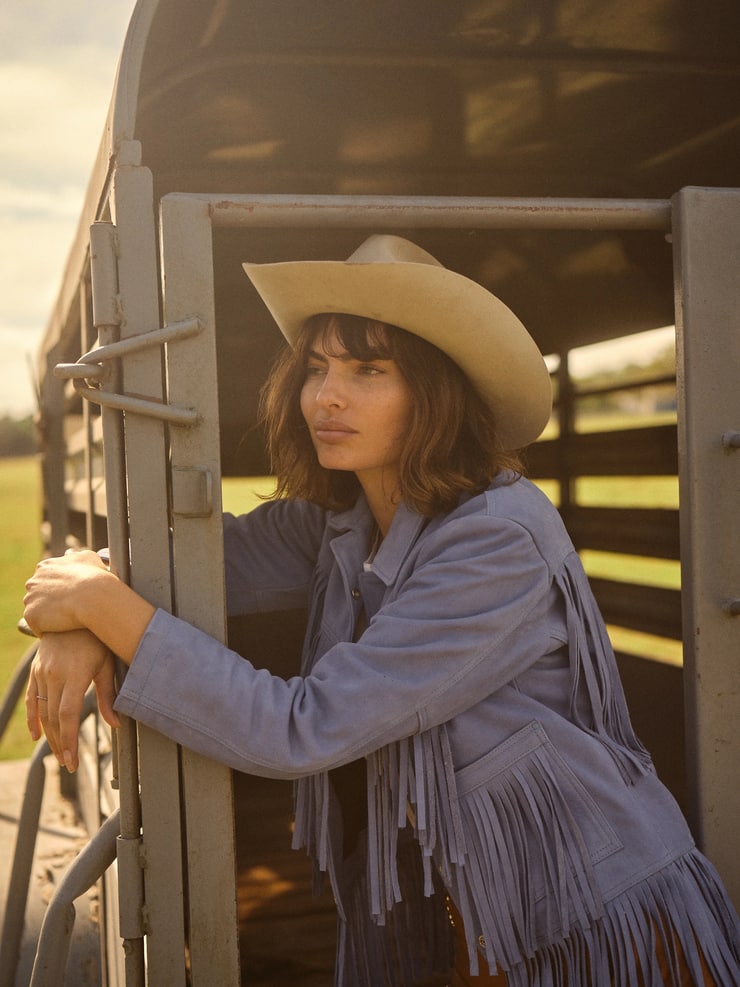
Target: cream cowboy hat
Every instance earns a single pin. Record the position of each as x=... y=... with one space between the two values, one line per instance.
x=392 y=280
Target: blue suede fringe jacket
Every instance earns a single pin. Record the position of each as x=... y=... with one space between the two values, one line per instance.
x=502 y=768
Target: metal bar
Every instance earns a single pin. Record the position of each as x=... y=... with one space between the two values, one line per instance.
x=651 y=609
x=186 y=251
x=445 y=212
x=83 y=371
x=20 y=874
x=15 y=689
x=706 y=251
x=649 y=451
x=149 y=764
x=566 y=428
x=86 y=329
x=56 y=930
x=642 y=531
x=52 y=418
x=525 y=60
x=103 y=248
x=138 y=406
x=106 y=316
x=25 y=847
x=135 y=344
x=632 y=385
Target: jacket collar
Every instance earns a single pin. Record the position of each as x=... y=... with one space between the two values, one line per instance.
x=395 y=547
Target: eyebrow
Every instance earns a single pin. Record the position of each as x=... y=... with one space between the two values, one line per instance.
x=345 y=357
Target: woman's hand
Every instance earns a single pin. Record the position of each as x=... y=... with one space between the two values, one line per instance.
x=61 y=673
x=55 y=594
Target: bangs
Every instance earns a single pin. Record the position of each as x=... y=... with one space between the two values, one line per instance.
x=364 y=339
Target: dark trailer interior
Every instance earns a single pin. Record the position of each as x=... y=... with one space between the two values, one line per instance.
x=530 y=99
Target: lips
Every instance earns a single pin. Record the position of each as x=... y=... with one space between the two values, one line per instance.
x=330 y=430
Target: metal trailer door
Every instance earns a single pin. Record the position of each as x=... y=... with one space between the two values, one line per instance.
x=176 y=854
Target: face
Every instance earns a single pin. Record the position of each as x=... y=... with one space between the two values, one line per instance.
x=358 y=412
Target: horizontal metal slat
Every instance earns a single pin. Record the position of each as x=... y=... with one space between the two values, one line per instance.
x=651 y=451
x=653 y=532
x=650 y=609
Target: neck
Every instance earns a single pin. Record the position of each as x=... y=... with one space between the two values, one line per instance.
x=383 y=504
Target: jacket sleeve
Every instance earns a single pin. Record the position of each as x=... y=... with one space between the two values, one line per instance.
x=269 y=556
x=472 y=614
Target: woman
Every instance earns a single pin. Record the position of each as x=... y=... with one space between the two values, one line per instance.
x=456 y=672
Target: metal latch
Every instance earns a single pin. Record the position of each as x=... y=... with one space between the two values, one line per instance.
x=93 y=370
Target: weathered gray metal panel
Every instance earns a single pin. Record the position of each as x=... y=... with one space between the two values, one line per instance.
x=146 y=466
x=187 y=263
x=707 y=279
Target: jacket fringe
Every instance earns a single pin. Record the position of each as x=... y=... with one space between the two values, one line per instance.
x=683 y=905
x=414 y=939
x=594 y=668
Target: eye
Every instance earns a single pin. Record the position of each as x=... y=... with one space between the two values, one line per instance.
x=315 y=370
x=369 y=369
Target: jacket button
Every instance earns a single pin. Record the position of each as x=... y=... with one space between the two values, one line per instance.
x=355 y=594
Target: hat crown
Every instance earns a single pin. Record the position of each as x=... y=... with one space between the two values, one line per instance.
x=384 y=248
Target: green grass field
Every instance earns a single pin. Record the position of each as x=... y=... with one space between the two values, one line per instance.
x=20 y=545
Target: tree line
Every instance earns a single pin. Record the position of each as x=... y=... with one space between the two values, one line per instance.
x=17 y=436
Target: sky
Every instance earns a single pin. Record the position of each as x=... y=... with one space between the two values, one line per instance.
x=58 y=61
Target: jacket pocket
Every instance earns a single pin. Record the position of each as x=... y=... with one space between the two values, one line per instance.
x=533 y=834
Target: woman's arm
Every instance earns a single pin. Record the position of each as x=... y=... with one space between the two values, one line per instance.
x=76 y=591
x=82 y=613
x=471 y=616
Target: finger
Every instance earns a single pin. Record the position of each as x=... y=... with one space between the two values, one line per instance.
x=69 y=712
x=49 y=716
x=105 y=687
x=32 y=708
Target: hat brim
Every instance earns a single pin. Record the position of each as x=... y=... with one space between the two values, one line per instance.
x=473 y=327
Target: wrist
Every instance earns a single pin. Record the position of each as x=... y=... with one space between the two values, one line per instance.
x=115 y=613
x=93 y=598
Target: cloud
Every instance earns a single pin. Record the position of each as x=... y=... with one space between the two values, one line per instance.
x=36 y=245
x=57 y=68
x=29 y=26
x=49 y=128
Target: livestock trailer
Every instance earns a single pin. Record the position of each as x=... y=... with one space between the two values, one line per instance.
x=580 y=160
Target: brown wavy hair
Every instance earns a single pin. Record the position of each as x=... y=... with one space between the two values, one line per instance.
x=451 y=448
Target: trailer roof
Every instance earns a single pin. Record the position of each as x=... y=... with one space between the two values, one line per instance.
x=463 y=97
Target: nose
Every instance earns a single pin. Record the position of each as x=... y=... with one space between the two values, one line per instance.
x=331 y=393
